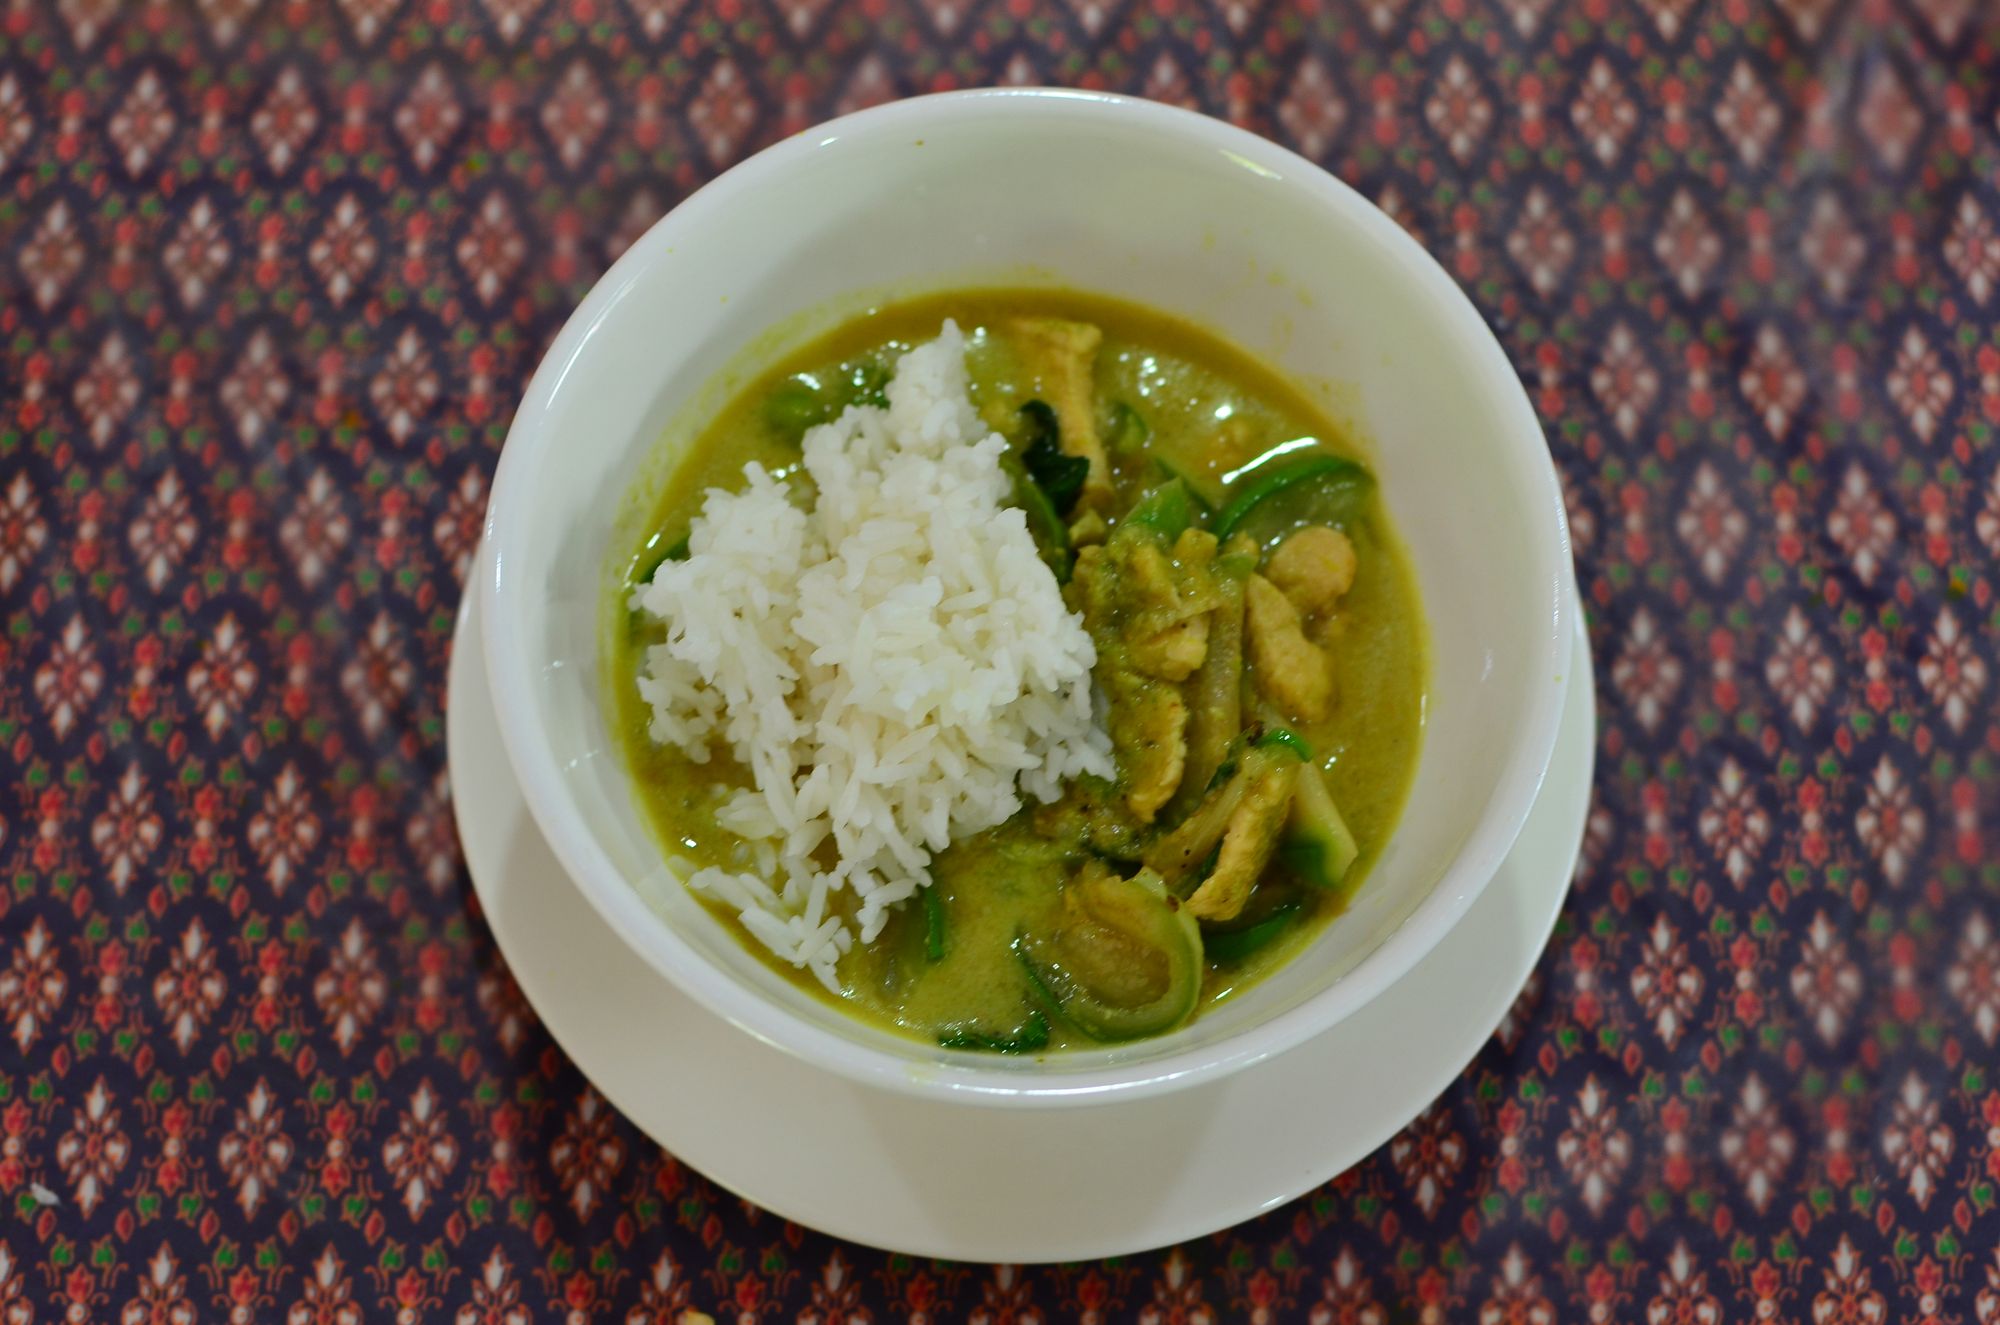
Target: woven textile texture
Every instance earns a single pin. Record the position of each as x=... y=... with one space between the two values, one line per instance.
x=272 y=275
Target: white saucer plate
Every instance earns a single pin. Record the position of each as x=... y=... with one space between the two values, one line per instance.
x=966 y=1182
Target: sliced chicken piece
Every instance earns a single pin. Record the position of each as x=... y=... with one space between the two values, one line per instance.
x=1174 y=653
x=1149 y=731
x=1314 y=568
x=1292 y=671
x=1088 y=529
x=1247 y=846
x=1062 y=355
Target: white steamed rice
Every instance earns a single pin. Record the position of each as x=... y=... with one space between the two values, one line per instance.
x=894 y=666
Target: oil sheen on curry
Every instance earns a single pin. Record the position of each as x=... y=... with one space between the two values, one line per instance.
x=1199 y=792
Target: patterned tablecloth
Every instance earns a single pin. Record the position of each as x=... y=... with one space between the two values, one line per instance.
x=274 y=273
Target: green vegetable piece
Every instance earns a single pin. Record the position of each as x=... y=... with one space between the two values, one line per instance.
x=1271 y=501
x=1128 y=431
x=868 y=384
x=652 y=556
x=795 y=405
x=1236 y=944
x=1167 y=509
x=1197 y=491
x=1318 y=847
x=1283 y=738
x=1058 y=474
x=933 y=923
x=1050 y=533
x=1123 y=960
x=1032 y=1035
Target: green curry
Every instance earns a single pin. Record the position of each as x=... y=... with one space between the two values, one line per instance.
x=1260 y=651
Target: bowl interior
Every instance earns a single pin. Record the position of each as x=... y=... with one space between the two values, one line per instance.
x=1151 y=205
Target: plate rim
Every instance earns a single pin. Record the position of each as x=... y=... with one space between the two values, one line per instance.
x=658 y=1124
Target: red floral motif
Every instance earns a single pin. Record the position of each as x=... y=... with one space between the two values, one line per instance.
x=1428 y=1154
x=1860 y=525
x=285 y=830
x=1602 y=112
x=407 y=386
x=1757 y=1147
x=491 y=250
x=574 y=115
x=164 y=532
x=1799 y=671
x=663 y=1295
x=1831 y=246
x=52 y=256
x=1624 y=381
x=1974 y=977
x=1347 y=1297
x=1773 y=384
x=222 y=679
x=1683 y=1298
x=1916 y=1142
x=1919 y=384
x=1666 y=983
x=429 y=117
x=17 y=126
x=317 y=529
x=326 y=1296
x=1645 y=673
x=1312 y=110
x=496 y=1297
x=32 y=985
x=1594 y=1149
x=1826 y=982
x=1972 y=249
x=1847 y=1298
x=723 y=111
x=836 y=1297
x=256 y=1151
x=285 y=121
x=421 y=1152
x=1459 y=111
x=142 y=124
x=23 y=532
x=1516 y=1297
x=344 y=251
x=1176 y=1300
x=190 y=990
x=93 y=1150
x=1686 y=244
x=162 y=1295
x=1747 y=116
x=1540 y=244
x=70 y=679
x=1711 y=523
x=127 y=831
x=1951 y=670
x=198 y=254
x=1985 y=1307
x=1733 y=824
x=378 y=676
x=106 y=390
x=1889 y=825
x=588 y=1154
x=255 y=391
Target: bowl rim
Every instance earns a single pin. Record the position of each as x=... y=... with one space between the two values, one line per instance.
x=526 y=739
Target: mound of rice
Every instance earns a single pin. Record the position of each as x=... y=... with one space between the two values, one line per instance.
x=894 y=664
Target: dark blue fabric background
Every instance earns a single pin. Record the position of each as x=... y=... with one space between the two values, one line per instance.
x=272 y=274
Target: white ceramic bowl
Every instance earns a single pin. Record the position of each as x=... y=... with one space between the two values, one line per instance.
x=1101 y=193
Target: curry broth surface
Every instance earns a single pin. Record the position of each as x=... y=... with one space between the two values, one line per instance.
x=1212 y=407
